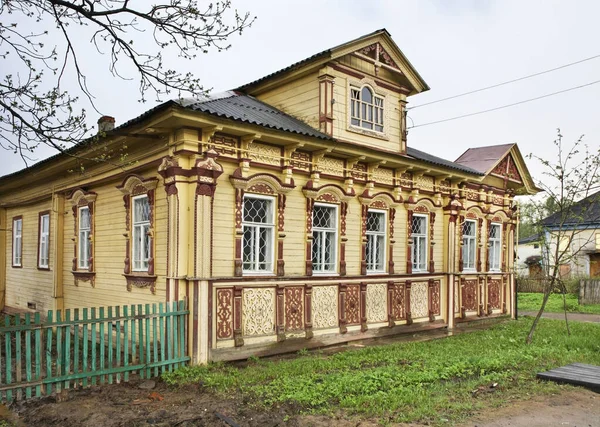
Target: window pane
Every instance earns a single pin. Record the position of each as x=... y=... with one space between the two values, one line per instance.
x=355 y=122
x=323 y=217
x=355 y=94
x=84 y=218
x=141 y=210
x=422 y=253
x=376 y=221
x=257 y=210
x=366 y=95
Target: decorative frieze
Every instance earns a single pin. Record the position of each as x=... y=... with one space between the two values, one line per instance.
x=225 y=145
x=396 y=301
x=301 y=160
x=352 y=306
x=424 y=182
x=494 y=288
x=359 y=171
x=383 y=176
x=434 y=299
x=469 y=295
x=265 y=154
x=331 y=166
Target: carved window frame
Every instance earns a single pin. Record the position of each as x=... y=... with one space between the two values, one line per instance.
x=495 y=242
x=336 y=239
x=79 y=200
x=266 y=185
x=271 y=225
x=374 y=235
x=464 y=241
x=424 y=235
x=132 y=187
x=332 y=195
x=17 y=219
x=378 y=93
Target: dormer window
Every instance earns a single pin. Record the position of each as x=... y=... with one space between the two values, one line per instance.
x=366 y=109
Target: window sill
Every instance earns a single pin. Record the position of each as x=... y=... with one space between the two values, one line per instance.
x=368 y=132
x=375 y=272
x=84 y=276
x=43 y=268
x=17 y=266
x=141 y=280
x=326 y=273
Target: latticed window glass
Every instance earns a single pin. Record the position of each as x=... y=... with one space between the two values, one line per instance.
x=418 y=230
x=324 y=243
x=366 y=109
x=84 y=237
x=44 y=248
x=17 y=242
x=469 y=230
x=495 y=244
x=257 y=244
x=141 y=238
x=375 y=253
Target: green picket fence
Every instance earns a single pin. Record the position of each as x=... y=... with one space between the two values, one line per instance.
x=85 y=347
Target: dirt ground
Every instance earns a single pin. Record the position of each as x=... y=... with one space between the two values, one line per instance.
x=130 y=405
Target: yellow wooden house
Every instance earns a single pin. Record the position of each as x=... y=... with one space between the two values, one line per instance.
x=290 y=212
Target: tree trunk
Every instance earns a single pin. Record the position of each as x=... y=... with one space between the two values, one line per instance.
x=565 y=309
x=547 y=293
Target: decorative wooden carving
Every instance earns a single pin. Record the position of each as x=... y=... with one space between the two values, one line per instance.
x=378 y=54
x=494 y=288
x=363 y=242
x=280 y=308
x=79 y=199
x=342 y=308
x=479 y=246
x=310 y=203
x=469 y=295
x=294 y=308
x=434 y=299
x=225 y=145
x=301 y=160
x=363 y=307
x=141 y=281
x=359 y=172
x=84 y=276
x=308 y=311
x=224 y=314
x=409 y=248
x=239 y=232
x=396 y=298
x=352 y=305
x=237 y=316
x=408 y=314
x=343 y=213
x=431 y=241
x=391 y=220
x=461 y=261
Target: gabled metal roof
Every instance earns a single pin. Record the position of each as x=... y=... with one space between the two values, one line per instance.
x=420 y=155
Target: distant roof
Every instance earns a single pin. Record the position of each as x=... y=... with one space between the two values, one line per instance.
x=530 y=239
x=584 y=213
x=483 y=159
x=420 y=155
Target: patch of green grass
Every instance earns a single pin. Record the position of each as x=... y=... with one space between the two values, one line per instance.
x=428 y=382
x=533 y=302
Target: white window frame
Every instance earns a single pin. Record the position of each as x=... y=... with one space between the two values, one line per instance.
x=17 y=247
x=495 y=247
x=357 y=106
x=469 y=241
x=377 y=240
x=84 y=246
x=44 y=241
x=418 y=240
x=258 y=226
x=320 y=233
x=139 y=232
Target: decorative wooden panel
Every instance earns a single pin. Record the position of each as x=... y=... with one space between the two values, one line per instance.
x=424 y=182
x=294 y=308
x=384 y=176
x=434 y=299
x=494 y=289
x=301 y=160
x=352 y=306
x=377 y=302
x=258 y=311
x=469 y=294
x=359 y=171
x=224 y=314
x=266 y=154
x=396 y=295
x=419 y=300
x=225 y=145
x=325 y=307
x=331 y=166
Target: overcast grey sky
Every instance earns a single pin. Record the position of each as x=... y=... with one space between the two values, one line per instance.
x=456 y=46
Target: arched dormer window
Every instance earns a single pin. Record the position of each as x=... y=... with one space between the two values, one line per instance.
x=366 y=109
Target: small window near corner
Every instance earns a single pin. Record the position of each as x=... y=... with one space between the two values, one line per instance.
x=366 y=109
x=44 y=241
x=17 y=254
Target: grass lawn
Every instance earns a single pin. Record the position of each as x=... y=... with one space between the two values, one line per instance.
x=429 y=382
x=533 y=302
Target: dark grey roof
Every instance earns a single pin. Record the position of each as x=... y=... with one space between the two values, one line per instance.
x=245 y=108
x=584 y=213
x=237 y=106
x=420 y=155
x=530 y=239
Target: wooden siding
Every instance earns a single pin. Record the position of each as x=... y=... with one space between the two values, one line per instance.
x=29 y=284
x=299 y=98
